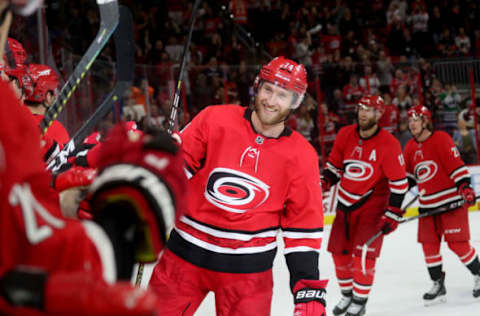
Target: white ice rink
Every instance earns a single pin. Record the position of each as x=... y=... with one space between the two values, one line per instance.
x=400 y=281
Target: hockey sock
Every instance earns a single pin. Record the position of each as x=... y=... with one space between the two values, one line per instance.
x=474 y=266
x=344 y=272
x=362 y=283
x=467 y=255
x=433 y=259
x=435 y=272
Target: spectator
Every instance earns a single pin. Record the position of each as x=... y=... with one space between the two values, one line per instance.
x=370 y=82
x=384 y=70
x=352 y=92
x=462 y=42
x=401 y=79
x=450 y=101
x=435 y=24
x=403 y=102
x=464 y=138
x=391 y=116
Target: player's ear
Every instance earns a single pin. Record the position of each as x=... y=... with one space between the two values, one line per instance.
x=297 y=100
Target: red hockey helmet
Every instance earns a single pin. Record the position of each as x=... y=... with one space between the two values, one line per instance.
x=374 y=101
x=420 y=111
x=287 y=74
x=44 y=79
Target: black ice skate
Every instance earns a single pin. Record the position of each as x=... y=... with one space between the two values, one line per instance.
x=357 y=307
x=476 y=286
x=437 y=293
x=344 y=303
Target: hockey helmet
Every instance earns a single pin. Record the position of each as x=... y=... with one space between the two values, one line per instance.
x=374 y=101
x=287 y=74
x=420 y=111
x=44 y=79
x=142 y=178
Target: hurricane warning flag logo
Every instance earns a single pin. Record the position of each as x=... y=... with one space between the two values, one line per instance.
x=235 y=191
x=358 y=170
x=425 y=170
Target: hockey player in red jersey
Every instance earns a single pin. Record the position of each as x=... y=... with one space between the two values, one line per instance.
x=250 y=177
x=368 y=165
x=40 y=93
x=434 y=164
x=77 y=262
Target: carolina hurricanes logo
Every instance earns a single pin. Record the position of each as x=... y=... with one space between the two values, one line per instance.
x=425 y=170
x=235 y=191
x=357 y=170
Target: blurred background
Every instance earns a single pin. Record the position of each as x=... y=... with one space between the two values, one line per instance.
x=409 y=52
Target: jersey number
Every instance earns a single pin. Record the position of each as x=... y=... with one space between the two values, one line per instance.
x=22 y=195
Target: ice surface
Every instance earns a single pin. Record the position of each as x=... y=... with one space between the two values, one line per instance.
x=400 y=281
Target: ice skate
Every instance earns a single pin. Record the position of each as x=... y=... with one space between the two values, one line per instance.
x=342 y=306
x=437 y=293
x=476 y=286
x=356 y=308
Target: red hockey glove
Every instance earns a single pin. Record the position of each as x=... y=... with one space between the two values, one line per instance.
x=310 y=298
x=467 y=193
x=325 y=184
x=390 y=220
x=74 y=294
x=74 y=177
x=78 y=294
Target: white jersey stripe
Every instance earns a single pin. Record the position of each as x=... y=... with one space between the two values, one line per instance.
x=301 y=235
x=215 y=248
x=300 y=249
x=229 y=235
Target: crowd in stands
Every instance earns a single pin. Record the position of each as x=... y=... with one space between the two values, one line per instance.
x=350 y=48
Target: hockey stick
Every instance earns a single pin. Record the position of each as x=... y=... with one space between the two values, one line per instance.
x=109 y=18
x=178 y=88
x=124 y=48
x=379 y=233
x=176 y=100
x=449 y=207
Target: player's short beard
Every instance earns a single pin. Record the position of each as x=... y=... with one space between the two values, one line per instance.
x=368 y=125
x=280 y=117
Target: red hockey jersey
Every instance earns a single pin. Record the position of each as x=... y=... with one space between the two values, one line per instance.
x=32 y=230
x=56 y=131
x=245 y=188
x=364 y=166
x=436 y=166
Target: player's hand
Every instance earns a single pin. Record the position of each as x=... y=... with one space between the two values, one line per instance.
x=74 y=177
x=468 y=194
x=176 y=138
x=325 y=184
x=390 y=220
x=310 y=298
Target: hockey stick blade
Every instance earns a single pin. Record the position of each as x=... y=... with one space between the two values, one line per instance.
x=124 y=47
x=365 y=246
x=109 y=19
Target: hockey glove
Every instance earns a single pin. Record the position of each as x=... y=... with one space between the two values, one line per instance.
x=467 y=193
x=74 y=294
x=325 y=184
x=310 y=298
x=73 y=177
x=390 y=220
x=24 y=287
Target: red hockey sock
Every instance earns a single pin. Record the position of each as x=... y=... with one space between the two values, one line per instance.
x=344 y=271
x=362 y=283
x=464 y=251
